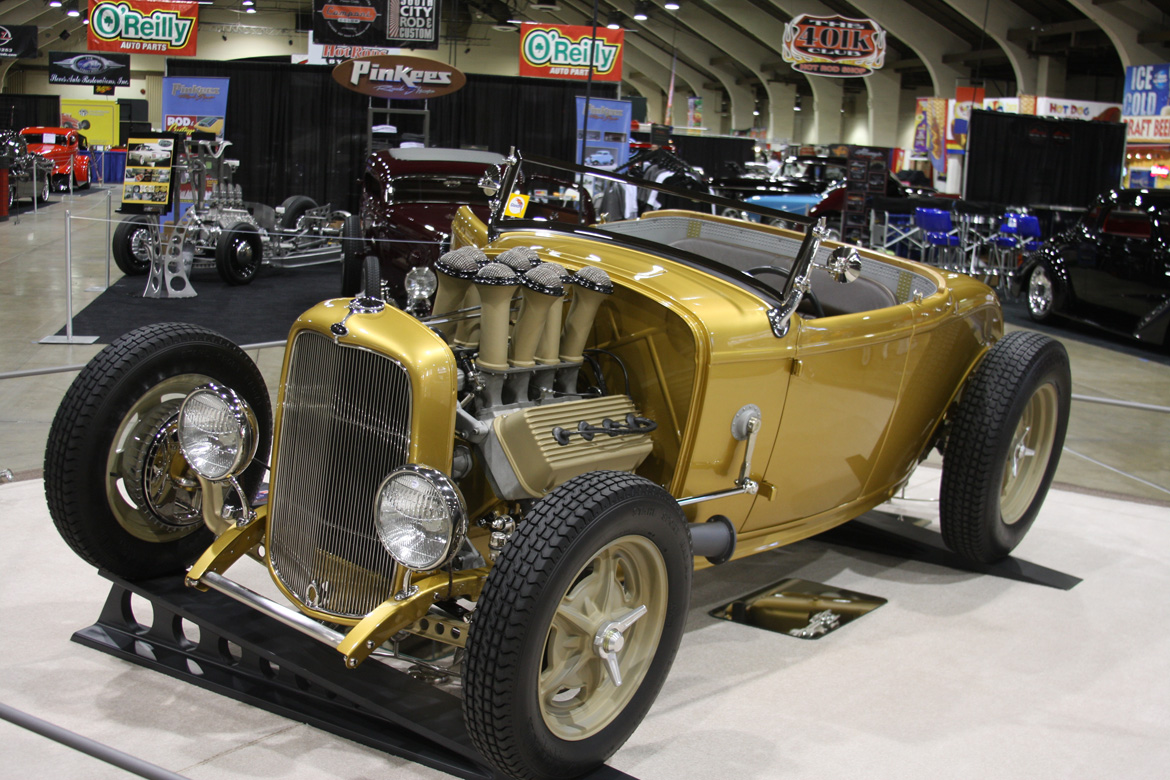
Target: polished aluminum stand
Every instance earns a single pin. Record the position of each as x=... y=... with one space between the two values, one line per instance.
x=252 y=658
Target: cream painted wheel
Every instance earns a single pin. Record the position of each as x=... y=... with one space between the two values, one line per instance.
x=118 y=490
x=1028 y=455
x=602 y=638
x=1003 y=445
x=591 y=589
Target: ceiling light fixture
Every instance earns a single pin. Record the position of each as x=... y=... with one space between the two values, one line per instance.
x=642 y=10
x=55 y=3
x=71 y=9
x=615 y=21
x=671 y=5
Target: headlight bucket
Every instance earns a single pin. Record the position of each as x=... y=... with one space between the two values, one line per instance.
x=420 y=517
x=218 y=432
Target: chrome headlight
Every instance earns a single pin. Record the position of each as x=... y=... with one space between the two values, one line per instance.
x=420 y=283
x=420 y=517
x=217 y=432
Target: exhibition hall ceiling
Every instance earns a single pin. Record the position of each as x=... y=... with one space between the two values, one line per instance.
x=931 y=43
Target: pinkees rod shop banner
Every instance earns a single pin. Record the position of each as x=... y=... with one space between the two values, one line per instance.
x=143 y=27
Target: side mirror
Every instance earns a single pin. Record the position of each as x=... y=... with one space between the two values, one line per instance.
x=844 y=264
x=490 y=181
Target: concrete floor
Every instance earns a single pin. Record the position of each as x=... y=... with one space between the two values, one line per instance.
x=959 y=675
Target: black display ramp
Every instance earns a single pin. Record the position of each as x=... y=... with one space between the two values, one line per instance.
x=257 y=660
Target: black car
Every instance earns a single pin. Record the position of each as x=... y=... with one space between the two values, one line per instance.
x=21 y=165
x=1111 y=269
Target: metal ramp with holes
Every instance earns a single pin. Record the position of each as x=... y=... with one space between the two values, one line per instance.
x=257 y=660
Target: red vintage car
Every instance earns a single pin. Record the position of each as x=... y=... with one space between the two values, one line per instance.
x=66 y=149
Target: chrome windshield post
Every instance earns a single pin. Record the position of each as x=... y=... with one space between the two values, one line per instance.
x=798 y=279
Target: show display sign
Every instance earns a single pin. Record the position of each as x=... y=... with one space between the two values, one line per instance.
x=66 y=67
x=561 y=51
x=603 y=137
x=411 y=24
x=147 y=179
x=194 y=105
x=18 y=40
x=336 y=53
x=143 y=27
x=834 y=45
x=402 y=78
x=1146 y=105
x=97 y=120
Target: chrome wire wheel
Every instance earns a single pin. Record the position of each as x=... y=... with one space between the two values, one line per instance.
x=603 y=637
x=1040 y=293
x=153 y=494
x=1028 y=457
x=140 y=245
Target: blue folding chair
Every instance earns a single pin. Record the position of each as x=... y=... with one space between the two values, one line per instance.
x=939 y=234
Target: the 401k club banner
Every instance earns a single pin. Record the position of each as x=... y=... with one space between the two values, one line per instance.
x=143 y=27
x=559 y=51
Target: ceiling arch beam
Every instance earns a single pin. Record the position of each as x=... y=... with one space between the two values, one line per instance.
x=1123 y=23
x=1001 y=17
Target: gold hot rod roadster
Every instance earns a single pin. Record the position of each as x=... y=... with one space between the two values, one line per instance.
x=530 y=474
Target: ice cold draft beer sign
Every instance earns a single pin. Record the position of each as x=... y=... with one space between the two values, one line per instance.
x=143 y=27
x=412 y=24
x=834 y=45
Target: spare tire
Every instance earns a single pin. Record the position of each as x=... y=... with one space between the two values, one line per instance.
x=294 y=207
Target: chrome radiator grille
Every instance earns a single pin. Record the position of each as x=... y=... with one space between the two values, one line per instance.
x=345 y=425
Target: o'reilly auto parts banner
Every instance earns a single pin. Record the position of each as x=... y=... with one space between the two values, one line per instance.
x=407 y=24
x=561 y=51
x=143 y=26
x=194 y=105
x=18 y=40
x=68 y=67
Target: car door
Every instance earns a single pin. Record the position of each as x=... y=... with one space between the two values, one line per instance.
x=1122 y=276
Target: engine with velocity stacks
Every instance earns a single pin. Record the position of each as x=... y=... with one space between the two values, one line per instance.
x=520 y=406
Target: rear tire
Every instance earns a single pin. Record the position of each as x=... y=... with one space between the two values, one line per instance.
x=1004 y=445
x=131 y=241
x=118 y=490
x=238 y=252
x=294 y=207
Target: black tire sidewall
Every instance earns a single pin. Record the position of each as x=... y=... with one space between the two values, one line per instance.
x=651 y=514
x=226 y=257
x=295 y=207
x=970 y=512
x=123 y=247
x=83 y=431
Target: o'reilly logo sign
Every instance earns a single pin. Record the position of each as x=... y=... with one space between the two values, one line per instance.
x=410 y=78
x=143 y=26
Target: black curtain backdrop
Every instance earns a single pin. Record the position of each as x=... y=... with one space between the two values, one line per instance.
x=537 y=116
x=1034 y=161
x=710 y=153
x=20 y=111
x=293 y=128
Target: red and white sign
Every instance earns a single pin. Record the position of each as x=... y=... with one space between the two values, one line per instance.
x=561 y=51
x=834 y=45
x=143 y=26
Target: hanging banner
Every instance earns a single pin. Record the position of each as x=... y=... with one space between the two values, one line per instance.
x=959 y=115
x=694 y=112
x=143 y=27
x=834 y=45
x=18 y=40
x=561 y=51
x=921 y=126
x=408 y=78
x=66 y=67
x=603 y=138
x=1088 y=110
x=97 y=120
x=194 y=105
x=408 y=24
x=936 y=134
x=337 y=53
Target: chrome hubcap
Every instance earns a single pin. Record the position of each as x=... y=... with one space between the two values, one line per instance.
x=1040 y=291
x=610 y=640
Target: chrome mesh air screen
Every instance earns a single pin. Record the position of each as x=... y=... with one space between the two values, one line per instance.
x=345 y=425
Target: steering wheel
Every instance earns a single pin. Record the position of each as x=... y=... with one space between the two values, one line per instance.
x=784 y=273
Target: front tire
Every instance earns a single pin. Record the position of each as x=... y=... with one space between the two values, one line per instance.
x=238 y=252
x=352 y=256
x=118 y=490
x=1004 y=445
x=591 y=590
x=131 y=244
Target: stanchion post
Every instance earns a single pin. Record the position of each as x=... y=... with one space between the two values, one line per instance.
x=68 y=337
x=36 y=193
x=109 y=219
